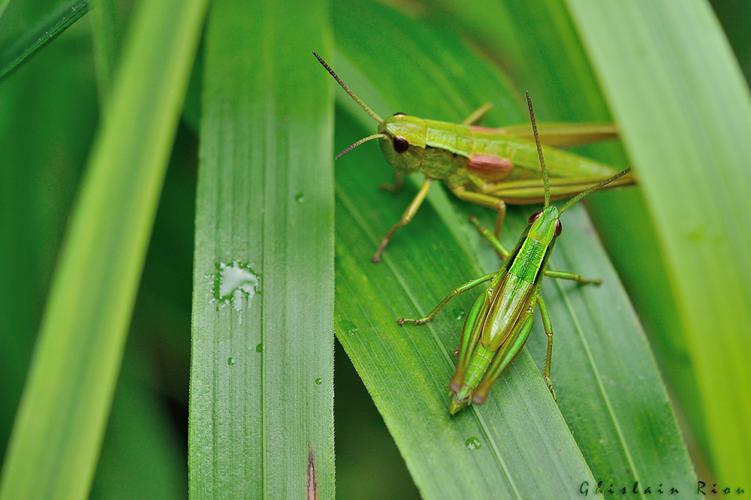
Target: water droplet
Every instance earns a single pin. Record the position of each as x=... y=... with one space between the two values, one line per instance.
x=473 y=443
x=349 y=327
x=318 y=381
x=231 y=361
x=300 y=197
x=459 y=314
x=259 y=348
x=235 y=284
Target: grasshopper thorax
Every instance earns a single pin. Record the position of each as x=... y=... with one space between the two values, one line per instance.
x=403 y=141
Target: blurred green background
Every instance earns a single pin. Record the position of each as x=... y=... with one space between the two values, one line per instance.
x=49 y=113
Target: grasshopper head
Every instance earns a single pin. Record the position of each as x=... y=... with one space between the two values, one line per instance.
x=402 y=137
x=545 y=225
x=403 y=141
x=461 y=396
x=456 y=405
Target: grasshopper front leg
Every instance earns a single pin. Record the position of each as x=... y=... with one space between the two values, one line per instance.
x=455 y=292
x=396 y=186
x=503 y=253
x=404 y=220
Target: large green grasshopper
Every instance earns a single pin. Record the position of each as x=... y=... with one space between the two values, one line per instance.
x=500 y=319
x=486 y=166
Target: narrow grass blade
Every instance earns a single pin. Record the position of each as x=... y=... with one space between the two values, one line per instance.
x=261 y=402
x=106 y=34
x=48 y=117
x=59 y=427
x=684 y=113
x=14 y=51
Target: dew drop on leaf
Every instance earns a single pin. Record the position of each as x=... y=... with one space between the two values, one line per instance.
x=349 y=327
x=235 y=284
x=473 y=443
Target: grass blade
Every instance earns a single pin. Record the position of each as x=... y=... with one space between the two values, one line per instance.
x=60 y=424
x=261 y=407
x=684 y=113
x=46 y=126
x=17 y=50
x=105 y=29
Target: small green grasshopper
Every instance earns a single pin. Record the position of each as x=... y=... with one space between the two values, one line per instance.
x=500 y=319
x=486 y=166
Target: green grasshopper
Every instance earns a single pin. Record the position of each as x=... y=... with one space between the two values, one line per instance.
x=500 y=319
x=486 y=166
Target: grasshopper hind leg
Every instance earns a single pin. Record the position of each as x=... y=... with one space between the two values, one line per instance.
x=485 y=200
x=548 y=326
x=501 y=360
x=565 y=275
x=502 y=252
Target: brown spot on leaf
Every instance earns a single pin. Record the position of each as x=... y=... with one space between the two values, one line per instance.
x=312 y=484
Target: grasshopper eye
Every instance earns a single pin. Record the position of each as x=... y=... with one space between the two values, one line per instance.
x=558 y=227
x=400 y=144
x=398 y=113
x=534 y=217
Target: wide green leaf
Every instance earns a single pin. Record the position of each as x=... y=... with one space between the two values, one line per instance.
x=541 y=48
x=595 y=326
x=261 y=402
x=483 y=452
x=684 y=113
x=63 y=413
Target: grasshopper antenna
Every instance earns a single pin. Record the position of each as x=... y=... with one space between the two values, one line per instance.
x=344 y=86
x=576 y=199
x=358 y=143
x=545 y=180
